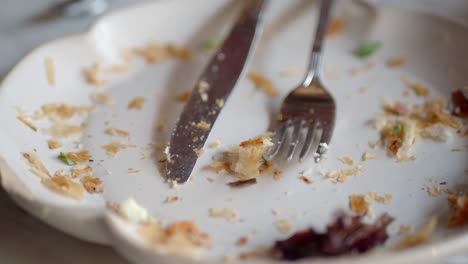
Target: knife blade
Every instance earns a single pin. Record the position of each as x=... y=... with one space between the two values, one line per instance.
x=211 y=92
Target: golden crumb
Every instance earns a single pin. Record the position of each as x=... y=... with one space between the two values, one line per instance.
x=459 y=206
x=242 y=241
x=64 y=185
x=247 y=161
x=203 y=125
x=199 y=152
x=133 y=170
x=172 y=199
x=434 y=191
x=362 y=69
x=210 y=180
x=405 y=230
x=79 y=157
x=184 y=96
x=278 y=175
x=114 y=148
x=54 y=144
x=102 y=98
x=27 y=123
x=340 y=176
x=136 y=103
x=95 y=74
x=397 y=62
x=306 y=179
x=117 y=132
x=181 y=238
x=422 y=237
x=80 y=171
x=156 y=52
x=61 y=112
x=36 y=165
x=216 y=144
x=161 y=127
x=220 y=103
x=360 y=204
x=337 y=25
x=263 y=84
x=50 y=71
x=284 y=226
x=230 y=215
x=347 y=160
x=63 y=130
x=368 y=156
x=92 y=184
x=418 y=88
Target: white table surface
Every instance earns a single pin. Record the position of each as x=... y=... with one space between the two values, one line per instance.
x=25 y=240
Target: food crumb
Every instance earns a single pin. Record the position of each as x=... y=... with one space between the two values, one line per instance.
x=172 y=199
x=102 y=98
x=92 y=184
x=242 y=241
x=136 y=103
x=230 y=215
x=216 y=144
x=117 y=132
x=23 y=120
x=347 y=160
x=133 y=170
x=337 y=25
x=36 y=165
x=277 y=175
x=284 y=226
x=50 y=71
x=418 y=88
x=368 y=156
x=220 y=103
x=54 y=144
x=306 y=179
x=65 y=186
x=405 y=230
x=422 y=237
x=199 y=152
x=459 y=206
x=397 y=62
x=340 y=176
x=203 y=125
x=263 y=84
x=184 y=96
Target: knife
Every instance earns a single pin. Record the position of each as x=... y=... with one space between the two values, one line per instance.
x=211 y=92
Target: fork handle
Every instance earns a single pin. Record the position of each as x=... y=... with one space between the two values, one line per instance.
x=320 y=33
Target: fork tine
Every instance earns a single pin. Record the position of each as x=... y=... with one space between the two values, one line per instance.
x=311 y=132
x=294 y=139
x=278 y=140
x=327 y=133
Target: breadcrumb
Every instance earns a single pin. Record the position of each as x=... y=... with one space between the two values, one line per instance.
x=27 y=123
x=203 y=125
x=418 y=88
x=284 y=226
x=340 y=176
x=347 y=160
x=263 y=84
x=79 y=157
x=36 y=165
x=422 y=237
x=136 y=103
x=117 y=132
x=50 y=71
x=181 y=238
x=92 y=184
x=230 y=215
x=54 y=144
x=337 y=25
x=306 y=179
x=102 y=98
x=397 y=62
x=64 y=185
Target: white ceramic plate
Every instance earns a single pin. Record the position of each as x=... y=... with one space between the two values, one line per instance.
x=435 y=48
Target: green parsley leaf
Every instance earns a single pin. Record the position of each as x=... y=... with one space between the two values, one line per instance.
x=212 y=43
x=397 y=129
x=63 y=157
x=368 y=49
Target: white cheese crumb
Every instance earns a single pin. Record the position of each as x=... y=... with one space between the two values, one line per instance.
x=132 y=211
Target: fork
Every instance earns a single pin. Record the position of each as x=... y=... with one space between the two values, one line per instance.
x=309 y=109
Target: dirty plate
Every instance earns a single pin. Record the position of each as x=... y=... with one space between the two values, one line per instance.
x=434 y=48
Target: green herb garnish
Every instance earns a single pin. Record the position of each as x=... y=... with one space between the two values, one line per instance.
x=212 y=43
x=63 y=157
x=397 y=129
x=368 y=49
